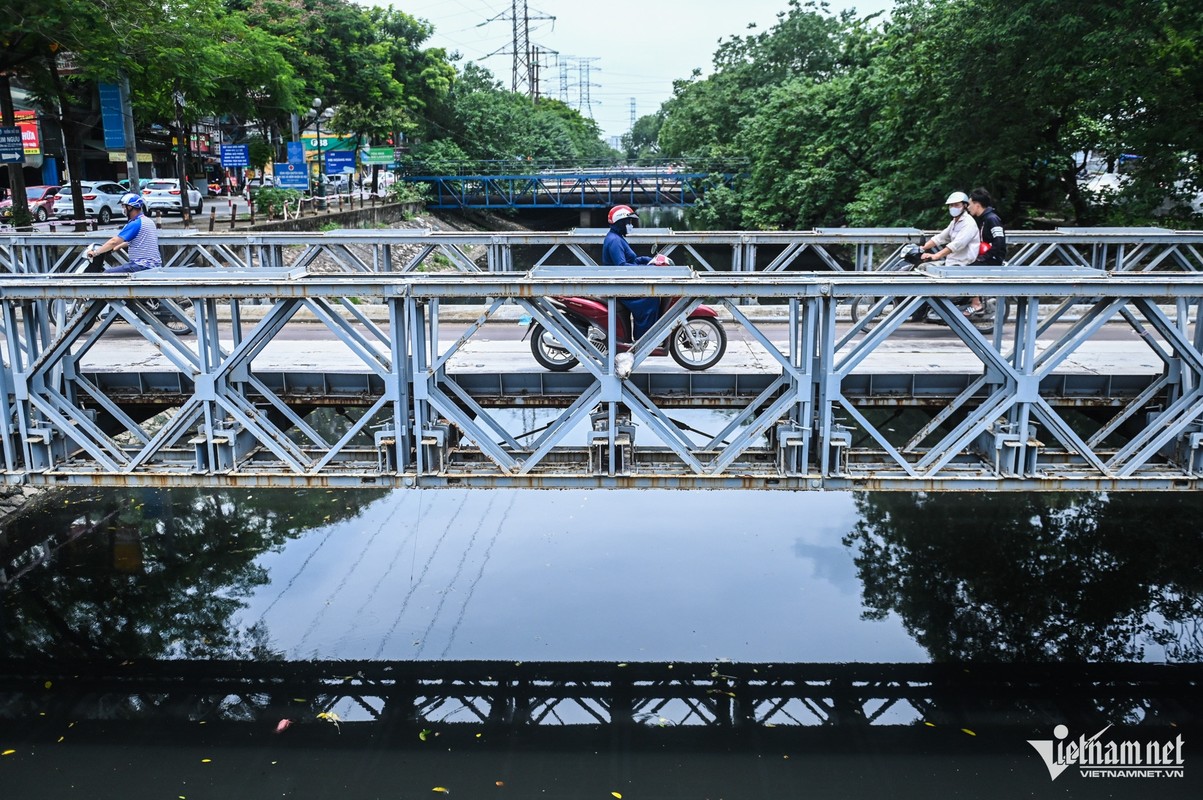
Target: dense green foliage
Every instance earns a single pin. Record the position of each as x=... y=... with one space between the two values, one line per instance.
x=850 y=121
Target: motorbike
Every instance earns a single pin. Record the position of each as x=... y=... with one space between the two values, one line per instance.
x=911 y=257
x=697 y=344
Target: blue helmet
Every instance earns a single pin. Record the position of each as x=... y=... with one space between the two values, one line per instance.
x=131 y=200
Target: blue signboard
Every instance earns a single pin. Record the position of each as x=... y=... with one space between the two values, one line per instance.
x=12 y=151
x=296 y=153
x=292 y=176
x=235 y=155
x=340 y=162
x=110 y=115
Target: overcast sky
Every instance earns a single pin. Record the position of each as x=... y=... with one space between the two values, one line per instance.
x=640 y=48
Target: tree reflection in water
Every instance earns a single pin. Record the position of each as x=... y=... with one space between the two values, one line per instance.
x=149 y=573
x=1036 y=577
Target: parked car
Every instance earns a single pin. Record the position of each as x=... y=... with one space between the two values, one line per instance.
x=41 y=203
x=164 y=194
x=102 y=199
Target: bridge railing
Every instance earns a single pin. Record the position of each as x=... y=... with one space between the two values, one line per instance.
x=423 y=250
x=801 y=401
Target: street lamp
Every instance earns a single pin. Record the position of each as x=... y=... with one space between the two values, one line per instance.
x=319 y=114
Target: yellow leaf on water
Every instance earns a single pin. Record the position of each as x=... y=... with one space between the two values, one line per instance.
x=616 y=794
x=206 y=761
x=48 y=684
x=966 y=730
x=8 y=752
x=930 y=724
x=441 y=790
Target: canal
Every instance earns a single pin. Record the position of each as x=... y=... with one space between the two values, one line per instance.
x=578 y=644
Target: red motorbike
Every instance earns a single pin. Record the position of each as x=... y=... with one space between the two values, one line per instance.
x=696 y=344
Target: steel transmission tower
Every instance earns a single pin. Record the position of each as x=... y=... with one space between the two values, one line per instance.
x=525 y=77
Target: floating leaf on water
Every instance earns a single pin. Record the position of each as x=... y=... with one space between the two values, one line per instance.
x=616 y=794
x=60 y=739
x=48 y=684
x=930 y=724
x=622 y=665
x=966 y=730
x=441 y=790
x=422 y=734
x=283 y=725
x=8 y=752
x=206 y=761
x=499 y=783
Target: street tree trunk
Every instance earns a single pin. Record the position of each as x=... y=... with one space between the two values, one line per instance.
x=16 y=174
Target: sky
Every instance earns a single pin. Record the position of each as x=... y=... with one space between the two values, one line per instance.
x=636 y=50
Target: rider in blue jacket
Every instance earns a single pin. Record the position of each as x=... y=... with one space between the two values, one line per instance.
x=616 y=252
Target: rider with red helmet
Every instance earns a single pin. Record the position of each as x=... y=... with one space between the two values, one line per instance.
x=616 y=252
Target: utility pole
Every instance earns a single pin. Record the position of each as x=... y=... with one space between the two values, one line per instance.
x=632 y=114
x=131 y=150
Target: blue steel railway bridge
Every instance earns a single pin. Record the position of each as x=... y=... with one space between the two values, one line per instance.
x=396 y=359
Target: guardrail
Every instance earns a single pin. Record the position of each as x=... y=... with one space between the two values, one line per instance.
x=210 y=412
x=422 y=250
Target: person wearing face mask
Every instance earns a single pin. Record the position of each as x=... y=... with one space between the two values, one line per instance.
x=617 y=252
x=992 y=250
x=957 y=244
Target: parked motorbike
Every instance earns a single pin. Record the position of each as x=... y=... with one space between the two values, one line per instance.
x=697 y=344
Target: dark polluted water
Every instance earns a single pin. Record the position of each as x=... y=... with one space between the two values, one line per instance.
x=194 y=644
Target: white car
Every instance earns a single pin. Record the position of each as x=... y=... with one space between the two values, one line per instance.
x=102 y=199
x=163 y=194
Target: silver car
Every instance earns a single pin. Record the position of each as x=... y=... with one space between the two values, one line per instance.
x=102 y=199
x=163 y=194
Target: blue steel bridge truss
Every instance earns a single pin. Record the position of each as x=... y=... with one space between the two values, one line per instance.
x=212 y=407
x=582 y=190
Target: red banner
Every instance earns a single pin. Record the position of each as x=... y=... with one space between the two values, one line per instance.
x=27 y=121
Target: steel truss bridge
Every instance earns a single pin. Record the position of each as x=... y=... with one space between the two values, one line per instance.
x=1046 y=399
x=727 y=703
x=568 y=190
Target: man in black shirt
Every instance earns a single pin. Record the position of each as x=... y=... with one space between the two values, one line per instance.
x=992 y=252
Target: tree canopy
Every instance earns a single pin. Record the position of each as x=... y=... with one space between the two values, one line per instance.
x=872 y=121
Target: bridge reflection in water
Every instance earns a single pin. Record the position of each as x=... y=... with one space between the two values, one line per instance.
x=128 y=665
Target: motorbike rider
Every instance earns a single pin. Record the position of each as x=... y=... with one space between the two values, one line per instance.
x=616 y=252
x=957 y=244
x=140 y=235
x=992 y=252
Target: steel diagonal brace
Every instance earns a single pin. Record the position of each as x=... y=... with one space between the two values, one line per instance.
x=1076 y=336
x=676 y=314
x=154 y=331
x=93 y=391
x=843 y=367
x=560 y=428
x=451 y=411
x=295 y=419
x=175 y=428
x=755 y=429
x=458 y=259
x=788 y=256
x=558 y=325
x=800 y=375
x=71 y=422
x=1180 y=414
x=271 y=437
x=261 y=336
x=363 y=320
x=661 y=425
x=351 y=433
x=1182 y=347
x=935 y=422
x=974 y=424
x=472 y=330
x=372 y=358
x=1060 y=429
x=418 y=258
x=440 y=379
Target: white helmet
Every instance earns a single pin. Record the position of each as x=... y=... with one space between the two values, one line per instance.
x=956 y=197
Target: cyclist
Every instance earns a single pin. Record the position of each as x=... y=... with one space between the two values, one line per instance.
x=140 y=235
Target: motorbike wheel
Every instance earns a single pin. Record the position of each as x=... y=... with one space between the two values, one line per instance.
x=548 y=351
x=174 y=322
x=862 y=305
x=699 y=343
